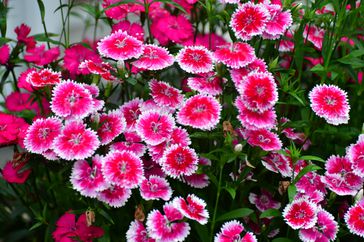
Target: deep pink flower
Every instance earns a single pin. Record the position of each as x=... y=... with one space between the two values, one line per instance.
x=22 y=33
x=249 y=20
x=120 y=46
x=154 y=127
x=111 y=125
x=325 y=229
x=86 y=179
x=195 y=59
x=71 y=100
x=208 y=40
x=346 y=184
x=133 y=29
x=300 y=214
x=310 y=183
x=10 y=126
x=200 y=111
x=115 y=196
x=22 y=80
x=179 y=160
x=315 y=35
x=132 y=143
x=137 y=233
x=17 y=102
x=355 y=153
x=331 y=103
x=165 y=95
x=235 y=55
x=43 y=77
x=4 y=54
x=278 y=22
x=76 y=142
x=155 y=187
x=354 y=218
x=40 y=56
x=277 y=162
x=238 y=75
x=263 y=138
x=103 y=69
x=15 y=172
x=263 y=201
x=131 y=112
x=121 y=11
x=154 y=58
x=206 y=83
x=123 y=169
x=41 y=134
x=259 y=91
x=167 y=227
x=192 y=207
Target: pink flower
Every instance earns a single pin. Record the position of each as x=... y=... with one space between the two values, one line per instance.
x=41 y=134
x=132 y=143
x=111 y=125
x=154 y=127
x=315 y=35
x=154 y=58
x=115 y=196
x=311 y=183
x=76 y=142
x=123 y=169
x=278 y=22
x=71 y=100
x=355 y=153
x=235 y=55
x=86 y=179
x=103 y=69
x=16 y=172
x=43 y=77
x=200 y=111
x=22 y=33
x=121 y=11
x=165 y=95
x=4 y=54
x=23 y=82
x=331 y=103
x=286 y=44
x=325 y=229
x=192 y=207
x=195 y=59
x=198 y=180
x=206 y=40
x=155 y=187
x=168 y=227
x=131 y=112
x=230 y=232
x=263 y=138
x=17 y=102
x=206 y=83
x=133 y=29
x=238 y=75
x=120 y=46
x=354 y=218
x=179 y=160
x=277 y=162
x=40 y=56
x=259 y=91
x=137 y=233
x=249 y=20
x=10 y=126
x=300 y=214
x=264 y=201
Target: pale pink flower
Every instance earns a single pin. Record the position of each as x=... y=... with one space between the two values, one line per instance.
x=235 y=55
x=115 y=196
x=154 y=188
x=195 y=59
x=154 y=58
x=192 y=207
x=165 y=95
x=300 y=214
x=179 y=160
x=206 y=83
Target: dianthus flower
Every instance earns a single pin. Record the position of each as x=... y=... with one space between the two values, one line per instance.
x=22 y=33
x=137 y=233
x=40 y=56
x=15 y=171
x=103 y=69
x=115 y=196
x=195 y=59
x=133 y=29
x=192 y=207
x=4 y=54
x=43 y=77
x=278 y=163
x=263 y=201
x=206 y=83
x=179 y=160
x=354 y=218
x=235 y=55
x=131 y=112
x=355 y=153
x=315 y=35
x=231 y=231
x=300 y=214
x=132 y=143
x=278 y=22
x=238 y=75
x=154 y=188
x=154 y=58
x=263 y=138
x=111 y=125
x=165 y=95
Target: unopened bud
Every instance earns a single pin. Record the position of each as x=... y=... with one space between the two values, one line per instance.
x=120 y=64
x=238 y=148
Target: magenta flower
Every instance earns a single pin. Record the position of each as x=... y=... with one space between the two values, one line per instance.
x=198 y=180
x=154 y=58
x=133 y=29
x=132 y=143
x=123 y=169
x=76 y=142
x=263 y=138
x=41 y=134
x=22 y=80
x=86 y=179
x=18 y=101
x=238 y=75
x=249 y=20
x=200 y=111
x=354 y=218
x=154 y=188
x=355 y=154
x=115 y=196
x=209 y=40
x=331 y=103
x=111 y=125
x=264 y=201
x=22 y=33
x=192 y=207
x=103 y=69
x=300 y=214
x=278 y=22
x=206 y=83
x=120 y=46
x=15 y=172
x=195 y=59
x=315 y=35
x=167 y=227
x=10 y=126
x=235 y=55
x=71 y=100
x=154 y=127
x=4 y=54
x=40 y=56
x=179 y=160
x=287 y=44
x=165 y=95
x=131 y=112
x=43 y=77
x=325 y=229
x=137 y=233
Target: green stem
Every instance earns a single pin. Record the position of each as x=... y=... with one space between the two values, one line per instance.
x=44 y=25
x=213 y=222
x=63 y=24
x=146 y=6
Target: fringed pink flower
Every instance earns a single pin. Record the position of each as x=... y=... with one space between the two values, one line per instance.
x=39 y=56
x=259 y=91
x=238 y=75
x=71 y=100
x=325 y=229
x=115 y=196
x=310 y=183
x=86 y=179
x=133 y=29
x=355 y=154
x=76 y=142
x=131 y=112
x=154 y=127
x=315 y=35
x=15 y=172
x=235 y=55
x=278 y=163
x=111 y=125
x=231 y=231
x=263 y=138
x=264 y=201
x=331 y=103
x=103 y=69
x=120 y=46
x=198 y=180
x=167 y=227
x=300 y=214
x=137 y=233
x=44 y=77
x=165 y=95
x=207 y=83
x=354 y=218
x=179 y=160
x=249 y=20
x=41 y=134
x=154 y=58
x=195 y=59
x=201 y=112
x=132 y=143
x=192 y=207
x=278 y=22
x=155 y=187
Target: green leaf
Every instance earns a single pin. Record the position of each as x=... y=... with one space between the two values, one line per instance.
x=311 y=167
x=237 y=213
x=37 y=225
x=270 y=213
x=201 y=231
x=41 y=9
x=3 y=13
x=132 y=81
x=318 y=68
x=281 y=240
x=231 y=191
x=176 y=5
x=120 y=3
x=106 y=215
x=292 y=190
x=297 y=98
x=311 y=157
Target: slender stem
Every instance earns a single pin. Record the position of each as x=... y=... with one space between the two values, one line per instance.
x=213 y=222
x=146 y=6
x=52 y=192
x=63 y=24
x=44 y=27
x=15 y=80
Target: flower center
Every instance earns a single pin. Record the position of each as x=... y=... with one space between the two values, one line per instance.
x=122 y=167
x=200 y=108
x=72 y=98
x=180 y=159
x=76 y=139
x=300 y=214
x=43 y=133
x=155 y=127
x=260 y=90
x=262 y=139
x=330 y=101
x=120 y=43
